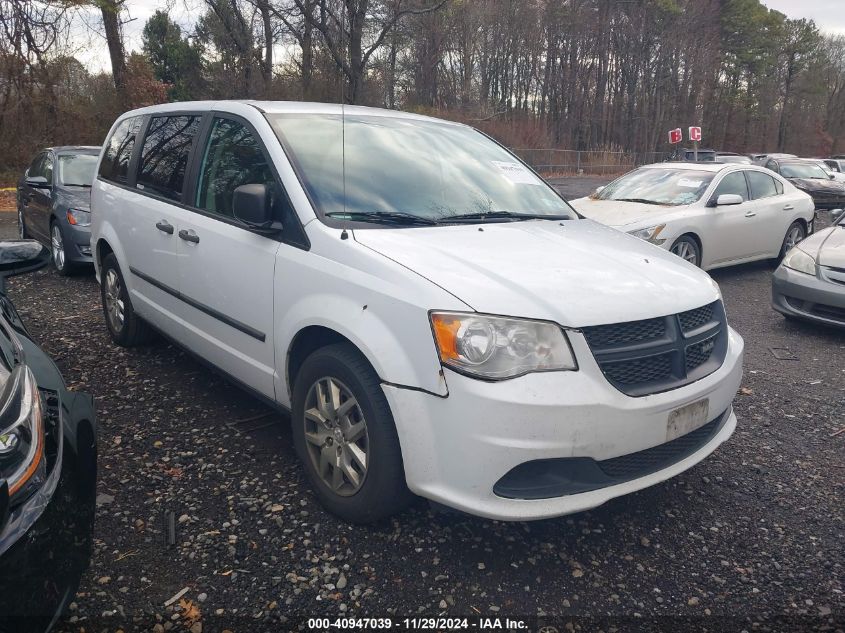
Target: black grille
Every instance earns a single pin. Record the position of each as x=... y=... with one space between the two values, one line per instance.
x=619 y=333
x=694 y=319
x=633 y=372
x=654 y=355
x=556 y=477
x=653 y=459
x=829 y=312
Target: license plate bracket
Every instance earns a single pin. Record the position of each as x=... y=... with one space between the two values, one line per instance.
x=687 y=418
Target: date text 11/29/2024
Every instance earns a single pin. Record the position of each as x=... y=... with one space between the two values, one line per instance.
x=418 y=624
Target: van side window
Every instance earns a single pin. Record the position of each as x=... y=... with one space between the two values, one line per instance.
x=232 y=158
x=164 y=155
x=115 y=163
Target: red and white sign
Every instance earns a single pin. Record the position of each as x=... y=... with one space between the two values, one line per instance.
x=676 y=136
x=695 y=134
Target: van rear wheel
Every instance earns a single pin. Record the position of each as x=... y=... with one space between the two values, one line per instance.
x=346 y=438
x=125 y=327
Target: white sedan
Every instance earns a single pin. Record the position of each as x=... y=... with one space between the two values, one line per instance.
x=711 y=215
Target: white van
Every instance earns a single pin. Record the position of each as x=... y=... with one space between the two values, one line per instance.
x=436 y=319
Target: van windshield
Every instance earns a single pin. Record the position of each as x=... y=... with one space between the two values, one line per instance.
x=366 y=168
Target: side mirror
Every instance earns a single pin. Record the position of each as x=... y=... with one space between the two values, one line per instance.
x=22 y=256
x=727 y=199
x=836 y=215
x=38 y=182
x=832 y=177
x=252 y=205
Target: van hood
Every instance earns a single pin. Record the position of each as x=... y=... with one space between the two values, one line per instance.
x=574 y=272
x=622 y=214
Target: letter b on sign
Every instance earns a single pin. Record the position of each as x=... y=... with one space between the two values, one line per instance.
x=676 y=136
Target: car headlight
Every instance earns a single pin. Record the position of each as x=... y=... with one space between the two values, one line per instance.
x=650 y=234
x=796 y=259
x=78 y=217
x=494 y=347
x=22 y=460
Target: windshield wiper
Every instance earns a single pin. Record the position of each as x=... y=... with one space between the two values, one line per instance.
x=76 y=184
x=641 y=200
x=502 y=215
x=383 y=217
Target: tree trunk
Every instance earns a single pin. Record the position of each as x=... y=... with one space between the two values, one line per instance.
x=114 y=39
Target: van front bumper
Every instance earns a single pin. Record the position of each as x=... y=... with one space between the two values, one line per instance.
x=554 y=443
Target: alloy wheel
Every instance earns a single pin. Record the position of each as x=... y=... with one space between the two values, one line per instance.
x=686 y=251
x=58 y=247
x=336 y=436
x=114 y=302
x=795 y=235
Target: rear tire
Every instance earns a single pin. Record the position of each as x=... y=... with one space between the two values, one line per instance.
x=341 y=422
x=125 y=327
x=794 y=234
x=687 y=249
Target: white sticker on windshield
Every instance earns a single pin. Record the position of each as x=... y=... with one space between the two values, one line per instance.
x=517 y=173
x=685 y=182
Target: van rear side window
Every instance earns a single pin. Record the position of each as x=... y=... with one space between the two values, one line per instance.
x=165 y=153
x=115 y=163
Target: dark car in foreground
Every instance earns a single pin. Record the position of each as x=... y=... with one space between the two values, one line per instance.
x=810 y=178
x=48 y=468
x=54 y=203
x=810 y=282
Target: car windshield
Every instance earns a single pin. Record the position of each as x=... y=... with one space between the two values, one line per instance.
x=802 y=170
x=410 y=171
x=658 y=186
x=77 y=169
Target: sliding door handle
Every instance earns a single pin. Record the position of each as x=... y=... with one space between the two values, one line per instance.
x=163 y=225
x=189 y=236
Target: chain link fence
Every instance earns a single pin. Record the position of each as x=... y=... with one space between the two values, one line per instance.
x=563 y=162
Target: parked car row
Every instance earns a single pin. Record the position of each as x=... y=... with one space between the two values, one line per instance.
x=413 y=296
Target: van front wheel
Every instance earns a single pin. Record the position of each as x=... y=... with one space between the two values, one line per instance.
x=345 y=435
x=125 y=327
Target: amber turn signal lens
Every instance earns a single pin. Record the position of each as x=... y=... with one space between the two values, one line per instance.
x=446 y=334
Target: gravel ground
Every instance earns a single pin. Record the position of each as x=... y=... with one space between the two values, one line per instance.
x=751 y=539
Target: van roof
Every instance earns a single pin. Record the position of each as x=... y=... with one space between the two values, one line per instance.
x=283 y=107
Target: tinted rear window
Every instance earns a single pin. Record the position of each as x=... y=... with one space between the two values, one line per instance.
x=762 y=185
x=164 y=155
x=115 y=163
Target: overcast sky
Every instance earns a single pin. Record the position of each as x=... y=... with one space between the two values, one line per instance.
x=89 y=45
x=829 y=15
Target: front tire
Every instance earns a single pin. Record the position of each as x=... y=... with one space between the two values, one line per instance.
x=794 y=234
x=345 y=436
x=687 y=249
x=22 y=232
x=58 y=252
x=125 y=327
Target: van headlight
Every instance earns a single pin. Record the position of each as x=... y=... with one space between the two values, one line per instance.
x=650 y=234
x=495 y=348
x=796 y=259
x=22 y=460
